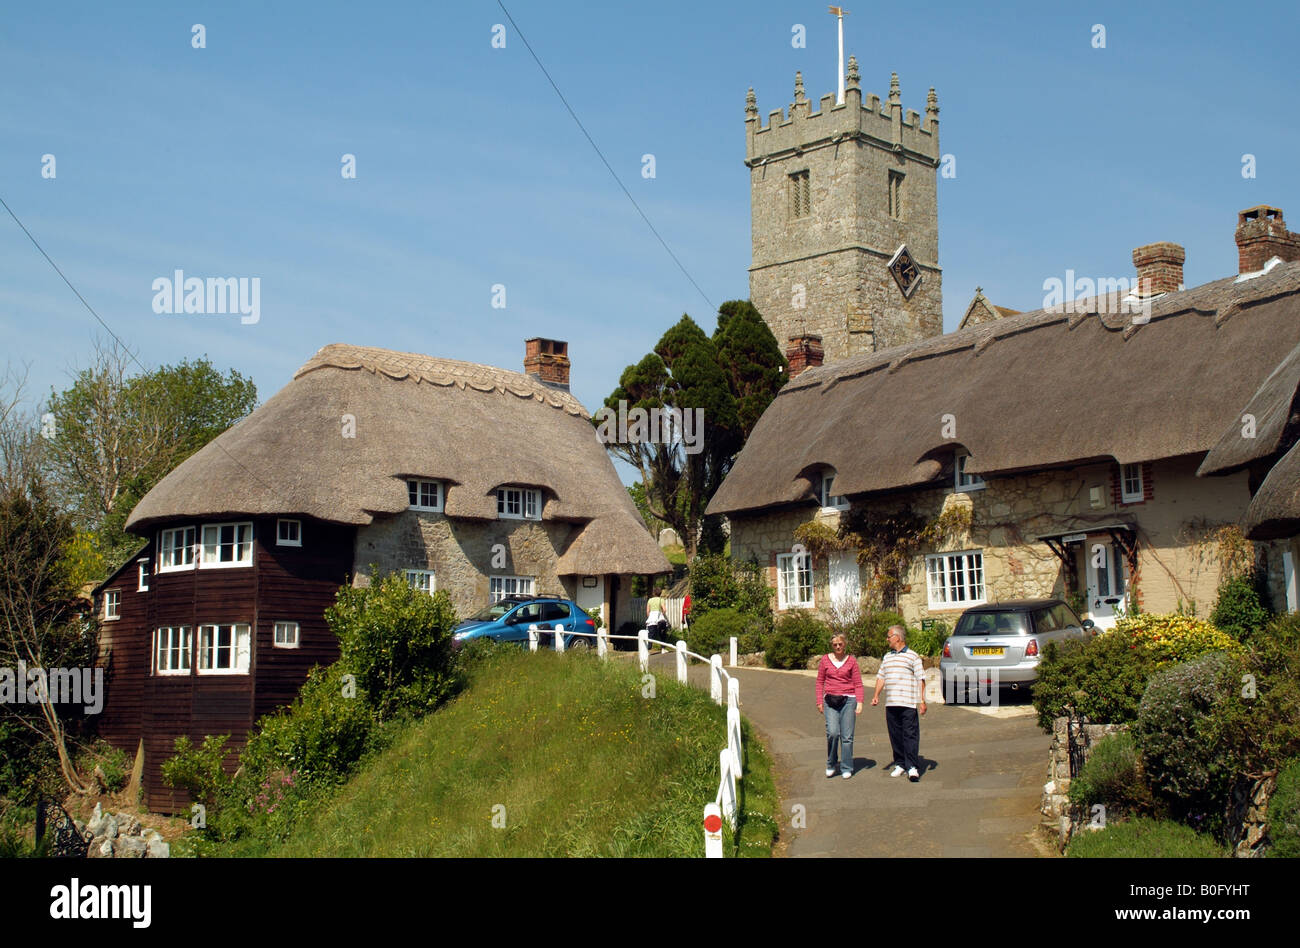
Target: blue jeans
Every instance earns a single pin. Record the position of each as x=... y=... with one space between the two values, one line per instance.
x=839 y=730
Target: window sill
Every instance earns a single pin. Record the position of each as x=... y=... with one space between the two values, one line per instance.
x=226 y=565
x=175 y=569
x=223 y=671
x=179 y=673
x=970 y=487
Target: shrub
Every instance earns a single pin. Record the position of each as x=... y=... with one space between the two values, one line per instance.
x=928 y=641
x=1171 y=639
x=1284 y=812
x=396 y=640
x=719 y=582
x=796 y=638
x=1238 y=611
x=198 y=770
x=1112 y=776
x=713 y=631
x=1186 y=768
x=1144 y=838
x=1102 y=679
x=867 y=635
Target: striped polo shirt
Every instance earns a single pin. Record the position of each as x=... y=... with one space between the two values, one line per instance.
x=903 y=677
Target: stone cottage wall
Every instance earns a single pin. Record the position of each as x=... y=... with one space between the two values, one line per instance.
x=460 y=553
x=1177 y=566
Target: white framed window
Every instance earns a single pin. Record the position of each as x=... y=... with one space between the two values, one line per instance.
x=227 y=544
x=1130 y=483
x=502 y=586
x=830 y=500
x=176 y=549
x=955 y=579
x=286 y=635
x=288 y=533
x=142 y=575
x=519 y=503
x=112 y=605
x=424 y=495
x=965 y=481
x=224 y=649
x=794 y=588
x=171 y=648
x=421 y=579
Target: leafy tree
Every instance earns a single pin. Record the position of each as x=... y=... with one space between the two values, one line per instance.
x=39 y=605
x=731 y=378
x=115 y=435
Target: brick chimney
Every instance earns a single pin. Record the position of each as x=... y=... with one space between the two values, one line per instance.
x=1261 y=236
x=548 y=361
x=804 y=352
x=1159 y=268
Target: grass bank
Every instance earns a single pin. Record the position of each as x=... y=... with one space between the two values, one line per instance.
x=546 y=755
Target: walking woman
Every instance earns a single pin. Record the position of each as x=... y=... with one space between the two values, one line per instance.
x=839 y=697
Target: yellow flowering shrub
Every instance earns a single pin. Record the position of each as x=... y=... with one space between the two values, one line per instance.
x=1173 y=638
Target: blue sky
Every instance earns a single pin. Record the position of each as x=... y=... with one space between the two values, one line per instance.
x=225 y=161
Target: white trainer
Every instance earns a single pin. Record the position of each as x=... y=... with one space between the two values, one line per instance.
x=912 y=775
x=830 y=771
x=896 y=772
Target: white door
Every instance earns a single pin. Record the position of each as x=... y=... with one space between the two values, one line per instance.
x=845 y=587
x=1107 y=581
x=591 y=599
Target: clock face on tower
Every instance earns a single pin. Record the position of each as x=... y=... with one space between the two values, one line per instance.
x=905 y=271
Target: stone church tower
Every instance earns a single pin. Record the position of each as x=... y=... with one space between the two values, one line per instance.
x=845 y=220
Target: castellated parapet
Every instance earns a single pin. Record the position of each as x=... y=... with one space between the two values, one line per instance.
x=834 y=194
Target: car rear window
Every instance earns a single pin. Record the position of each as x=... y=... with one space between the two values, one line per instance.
x=992 y=623
x=552 y=611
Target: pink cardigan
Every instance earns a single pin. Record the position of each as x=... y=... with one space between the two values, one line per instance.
x=845 y=680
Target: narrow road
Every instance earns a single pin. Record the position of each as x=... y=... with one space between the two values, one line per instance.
x=981 y=779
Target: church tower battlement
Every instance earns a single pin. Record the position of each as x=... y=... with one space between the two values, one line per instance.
x=845 y=219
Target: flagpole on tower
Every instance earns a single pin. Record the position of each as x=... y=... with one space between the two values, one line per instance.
x=840 y=13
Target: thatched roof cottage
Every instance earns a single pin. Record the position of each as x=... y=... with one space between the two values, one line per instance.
x=1067 y=442
x=470 y=479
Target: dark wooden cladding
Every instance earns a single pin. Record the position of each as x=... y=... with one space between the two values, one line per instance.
x=283 y=584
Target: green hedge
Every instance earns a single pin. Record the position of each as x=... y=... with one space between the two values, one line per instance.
x=1112 y=776
x=1284 y=813
x=796 y=638
x=712 y=632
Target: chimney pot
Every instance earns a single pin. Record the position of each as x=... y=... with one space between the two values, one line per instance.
x=804 y=352
x=547 y=360
x=1159 y=268
x=1261 y=236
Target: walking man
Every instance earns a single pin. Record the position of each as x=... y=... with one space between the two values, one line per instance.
x=903 y=682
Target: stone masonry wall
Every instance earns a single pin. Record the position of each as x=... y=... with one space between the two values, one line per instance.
x=1176 y=566
x=460 y=553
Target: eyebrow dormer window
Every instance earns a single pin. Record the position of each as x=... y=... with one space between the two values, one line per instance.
x=826 y=495
x=965 y=481
x=519 y=503
x=425 y=495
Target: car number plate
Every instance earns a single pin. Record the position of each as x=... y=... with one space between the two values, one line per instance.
x=988 y=650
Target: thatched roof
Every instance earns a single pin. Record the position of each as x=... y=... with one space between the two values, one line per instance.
x=1274 y=511
x=1273 y=406
x=474 y=426
x=1025 y=392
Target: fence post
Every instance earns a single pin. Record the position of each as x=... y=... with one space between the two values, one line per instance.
x=715 y=678
x=712 y=831
x=733 y=693
x=728 y=789
x=602 y=642
x=643 y=650
x=532 y=638
x=559 y=637
x=733 y=651
x=681 y=661
x=734 y=738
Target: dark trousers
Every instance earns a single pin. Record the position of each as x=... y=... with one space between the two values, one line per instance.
x=904 y=736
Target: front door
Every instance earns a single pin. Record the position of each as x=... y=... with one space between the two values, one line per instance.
x=1107 y=581
x=845 y=586
x=591 y=599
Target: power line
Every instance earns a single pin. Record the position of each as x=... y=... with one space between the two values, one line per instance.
x=109 y=330
x=601 y=155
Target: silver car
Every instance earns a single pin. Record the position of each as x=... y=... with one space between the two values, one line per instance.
x=1002 y=643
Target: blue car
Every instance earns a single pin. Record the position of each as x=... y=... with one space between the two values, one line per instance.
x=508 y=619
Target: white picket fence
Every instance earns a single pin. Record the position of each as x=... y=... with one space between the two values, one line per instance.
x=637 y=612
x=722 y=686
